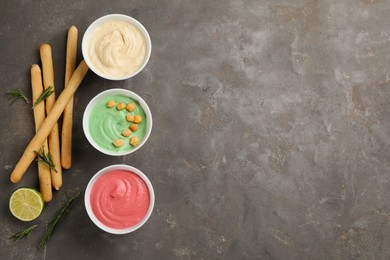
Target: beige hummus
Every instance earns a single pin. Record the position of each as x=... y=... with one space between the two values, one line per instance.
x=117 y=48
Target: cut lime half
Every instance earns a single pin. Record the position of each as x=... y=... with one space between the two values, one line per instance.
x=26 y=204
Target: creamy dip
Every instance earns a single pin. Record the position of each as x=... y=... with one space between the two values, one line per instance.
x=120 y=199
x=117 y=48
x=107 y=124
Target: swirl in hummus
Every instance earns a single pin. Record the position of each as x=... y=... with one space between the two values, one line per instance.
x=120 y=199
x=117 y=48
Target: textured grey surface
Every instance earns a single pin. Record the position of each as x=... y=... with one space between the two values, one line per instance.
x=271 y=135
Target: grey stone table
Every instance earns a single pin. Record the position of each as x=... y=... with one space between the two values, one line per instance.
x=271 y=135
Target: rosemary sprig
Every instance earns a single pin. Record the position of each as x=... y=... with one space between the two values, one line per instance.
x=15 y=94
x=45 y=94
x=45 y=159
x=23 y=233
x=60 y=213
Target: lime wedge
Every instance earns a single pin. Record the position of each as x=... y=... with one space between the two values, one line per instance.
x=26 y=204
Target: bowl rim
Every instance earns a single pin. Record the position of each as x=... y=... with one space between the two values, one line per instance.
x=104 y=171
x=117 y=91
x=113 y=17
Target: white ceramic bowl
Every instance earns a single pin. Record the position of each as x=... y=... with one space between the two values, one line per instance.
x=112 y=92
x=108 y=18
x=87 y=198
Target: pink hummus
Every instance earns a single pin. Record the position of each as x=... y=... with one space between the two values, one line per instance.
x=120 y=199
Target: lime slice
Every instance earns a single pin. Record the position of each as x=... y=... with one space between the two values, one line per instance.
x=26 y=204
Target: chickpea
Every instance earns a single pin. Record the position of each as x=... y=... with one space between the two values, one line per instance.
x=126 y=132
x=111 y=104
x=137 y=119
x=121 y=106
x=133 y=127
x=129 y=117
x=134 y=141
x=118 y=142
x=130 y=107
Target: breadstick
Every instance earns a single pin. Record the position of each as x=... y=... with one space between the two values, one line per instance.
x=67 y=124
x=47 y=124
x=39 y=116
x=54 y=138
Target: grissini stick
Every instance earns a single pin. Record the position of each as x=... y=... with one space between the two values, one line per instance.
x=54 y=138
x=39 y=115
x=47 y=124
x=67 y=124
